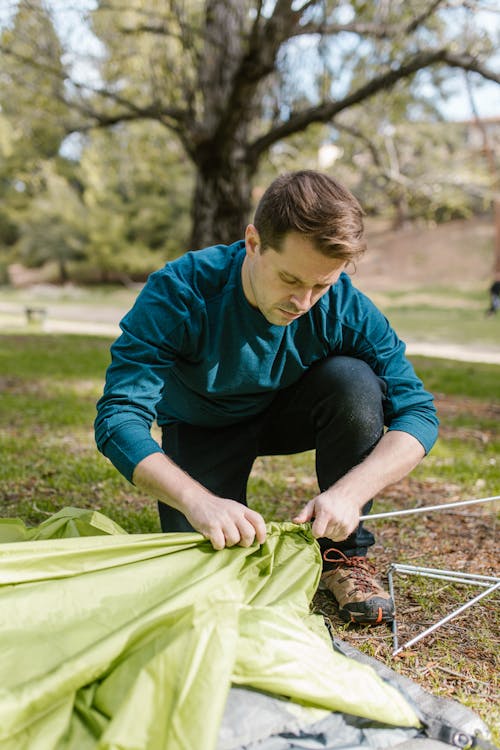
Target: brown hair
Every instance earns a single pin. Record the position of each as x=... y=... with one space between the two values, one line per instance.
x=315 y=205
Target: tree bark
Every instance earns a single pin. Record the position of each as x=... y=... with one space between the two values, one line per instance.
x=63 y=271
x=222 y=203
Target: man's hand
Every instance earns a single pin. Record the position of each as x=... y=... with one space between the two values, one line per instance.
x=227 y=523
x=334 y=516
x=336 y=511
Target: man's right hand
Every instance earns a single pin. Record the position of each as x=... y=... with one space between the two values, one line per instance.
x=226 y=522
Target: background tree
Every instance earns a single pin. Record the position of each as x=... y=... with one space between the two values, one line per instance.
x=115 y=207
x=32 y=124
x=29 y=96
x=136 y=192
x=110 y=216
x=54 y=227
x=405 y=166
x=223 y=77
x=9 y=232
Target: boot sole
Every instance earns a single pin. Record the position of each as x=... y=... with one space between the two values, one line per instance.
x=363 y=619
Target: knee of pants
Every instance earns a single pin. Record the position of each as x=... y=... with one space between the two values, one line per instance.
x=349 y=390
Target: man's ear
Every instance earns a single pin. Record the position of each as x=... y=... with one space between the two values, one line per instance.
x=252 y=240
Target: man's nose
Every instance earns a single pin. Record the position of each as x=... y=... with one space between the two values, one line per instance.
x=302 y=300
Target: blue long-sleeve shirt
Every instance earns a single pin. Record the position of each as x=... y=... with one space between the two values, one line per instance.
x=194 y=350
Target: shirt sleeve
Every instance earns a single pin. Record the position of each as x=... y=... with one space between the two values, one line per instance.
x=152 y=334
x=408 y=407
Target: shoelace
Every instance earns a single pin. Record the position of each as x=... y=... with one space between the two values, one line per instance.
x=359 y=567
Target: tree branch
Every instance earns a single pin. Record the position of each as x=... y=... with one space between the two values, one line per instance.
x=379 y=31
x=418 y=21
x=326 y=111
x=469 y=62
x=375 y=30
x=359 y=135
x=259 y=60
x=177 y=116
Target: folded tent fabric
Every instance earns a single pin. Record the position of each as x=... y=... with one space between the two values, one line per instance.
x=111 y=641
x=68 y=522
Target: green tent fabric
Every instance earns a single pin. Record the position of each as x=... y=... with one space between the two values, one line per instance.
x=115 y=641
x=69 y=522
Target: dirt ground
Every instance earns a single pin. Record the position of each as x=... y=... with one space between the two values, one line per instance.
x=458 y=253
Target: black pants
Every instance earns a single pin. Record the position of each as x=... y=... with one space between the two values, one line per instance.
x=335 y=408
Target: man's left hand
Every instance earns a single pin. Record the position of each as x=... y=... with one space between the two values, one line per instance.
x=334 y=516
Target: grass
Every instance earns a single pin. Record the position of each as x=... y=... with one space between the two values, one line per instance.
x=49 y=386
x=441 y=314
x=471 y=380
x=434 y=324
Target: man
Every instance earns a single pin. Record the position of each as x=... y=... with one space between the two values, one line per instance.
x=494 y=296
x=264 y=347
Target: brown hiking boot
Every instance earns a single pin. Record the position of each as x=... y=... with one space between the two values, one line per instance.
x=359 y=595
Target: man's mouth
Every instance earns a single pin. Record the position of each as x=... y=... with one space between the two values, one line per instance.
x=290 y=313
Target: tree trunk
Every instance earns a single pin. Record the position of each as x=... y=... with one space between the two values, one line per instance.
x=401 y=212
x=63 y=271
x=222 y=203
x=496 y=261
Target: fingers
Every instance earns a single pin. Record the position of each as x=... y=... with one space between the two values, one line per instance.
x=217 y=538
x=325 y=527
x=331 y=518
x=241 y=532
x=250 y=528
x=243 y=527
x=258 y=524
x=320 y=525
x=306 y=513
x=335 y=525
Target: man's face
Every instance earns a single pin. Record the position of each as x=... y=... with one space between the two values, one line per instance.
x=285 y=285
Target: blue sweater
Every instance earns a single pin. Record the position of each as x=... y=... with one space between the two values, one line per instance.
x=194 y=350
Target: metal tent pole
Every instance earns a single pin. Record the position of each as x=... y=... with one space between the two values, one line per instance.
x=456 y=612
x=490 y=583
x=446 y=575
x=472 y=579
x=427 y=508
